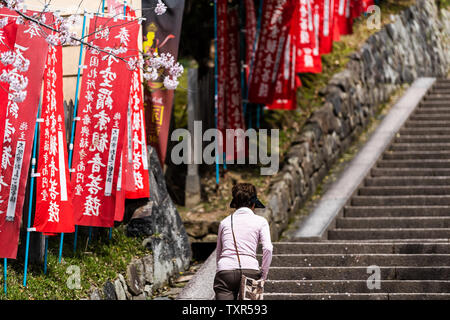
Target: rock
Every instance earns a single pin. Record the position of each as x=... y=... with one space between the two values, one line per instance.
x=184 y=278
x=120 y=292
x=142 y=296
x=196 y=229
x=125 y=287
x=210 y=238
x=148 y=268
x=136 y=277
x=96 y=294
x=161 y=222
x=109 y=291
x=148 y=289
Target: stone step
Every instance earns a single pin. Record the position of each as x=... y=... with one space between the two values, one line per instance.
x=442 y=109
x=440 y=90
x=445 y=84
x=430 y=117
x=359 y=273
x=396 y=211
x=391 y=222
x=425 y=131
x=413 y=155
x=402 y=172
x=437 y=97
x=400 y=200
x=356 y=286
x=416 y=189
x=423 y=139
x=419 y=147
x=359 y=247
x=422 y=163
x=362 y=260
x=434 y=103
x=357 y=296
x=394 y=233
x=426 y=124
x=407 y=181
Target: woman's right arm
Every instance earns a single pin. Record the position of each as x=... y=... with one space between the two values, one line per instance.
x=267 y=249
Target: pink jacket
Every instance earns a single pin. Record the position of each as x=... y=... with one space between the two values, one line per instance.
x=249 y=230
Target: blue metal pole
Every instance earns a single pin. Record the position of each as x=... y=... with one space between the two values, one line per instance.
x=90 y=235
x=30 y=203
x=5 y=276
x=45 y=257
x=215 y=88
x=258 y=111
x=72 y=133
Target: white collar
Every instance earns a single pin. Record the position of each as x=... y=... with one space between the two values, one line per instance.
x=244 y=210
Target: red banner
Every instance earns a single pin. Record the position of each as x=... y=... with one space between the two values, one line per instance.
x=18 y=137
x=365 y=4
x=54 y=213
x=344 y=18
x=234 y=115
x=250 y=34
x=135 y=154
x=285 y=96
x=275 y=25
x=326 y=26
x=308 y=56
x=222 y=64
x=102 y=122
x=7 y=39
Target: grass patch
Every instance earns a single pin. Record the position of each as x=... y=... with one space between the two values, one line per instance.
x=99 y=262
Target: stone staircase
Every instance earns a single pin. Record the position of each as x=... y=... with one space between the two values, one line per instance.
x=398 y=220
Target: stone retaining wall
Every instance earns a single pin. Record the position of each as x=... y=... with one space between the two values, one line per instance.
x=415 y=44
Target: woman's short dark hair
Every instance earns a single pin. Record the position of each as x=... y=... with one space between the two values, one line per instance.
x=243 y=194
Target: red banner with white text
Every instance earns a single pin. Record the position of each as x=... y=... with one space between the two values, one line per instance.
x=344 y=17
x=102 y=121
x=234 y=116
x=308 y=55
x=30 y=48
x=326 y=26
x=136 y=161
x=285 y=96
x=250 y=34
x=54 y=212
x=222 y=66
x=275 y=26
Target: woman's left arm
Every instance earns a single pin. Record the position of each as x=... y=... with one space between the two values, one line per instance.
x=219 y=243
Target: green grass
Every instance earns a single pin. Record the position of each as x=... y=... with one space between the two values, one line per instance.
x=99 y=262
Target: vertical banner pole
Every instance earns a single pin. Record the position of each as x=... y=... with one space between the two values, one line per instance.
x=90 y=235
x=216 y=97
x=45 y=257
x=5 y=276
x=72 y=133
x=258 y=111
x=30 y=203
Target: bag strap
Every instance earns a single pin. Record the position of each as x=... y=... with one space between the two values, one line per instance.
x=235 y=245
